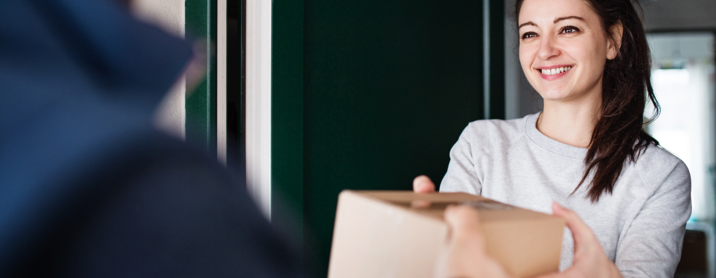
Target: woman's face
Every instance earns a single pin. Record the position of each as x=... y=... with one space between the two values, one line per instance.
x=563 y=49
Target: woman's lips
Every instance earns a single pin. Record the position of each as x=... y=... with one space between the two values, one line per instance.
x=553 y=73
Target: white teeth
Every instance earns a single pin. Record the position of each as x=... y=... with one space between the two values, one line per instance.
x=555 y=70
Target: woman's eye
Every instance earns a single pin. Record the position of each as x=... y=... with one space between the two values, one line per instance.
x=569 y=30
x=529 y=35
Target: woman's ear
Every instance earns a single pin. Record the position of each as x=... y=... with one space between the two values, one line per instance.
x=615 y=40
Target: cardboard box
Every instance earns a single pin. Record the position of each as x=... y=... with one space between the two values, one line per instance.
x=400 y=234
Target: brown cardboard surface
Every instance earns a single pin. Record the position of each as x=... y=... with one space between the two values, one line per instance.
x=400 y=234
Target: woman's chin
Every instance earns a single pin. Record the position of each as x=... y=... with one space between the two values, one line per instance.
x=556 y=95
x=566 y=96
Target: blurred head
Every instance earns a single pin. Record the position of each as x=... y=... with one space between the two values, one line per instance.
x=596 y=49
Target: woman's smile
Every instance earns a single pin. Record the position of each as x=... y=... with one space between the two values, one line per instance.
x=553 y=72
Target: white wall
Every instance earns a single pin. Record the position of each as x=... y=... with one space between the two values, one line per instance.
x=258 y=101
x=221 y=106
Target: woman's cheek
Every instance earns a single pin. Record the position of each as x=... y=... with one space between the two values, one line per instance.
x=527 y=55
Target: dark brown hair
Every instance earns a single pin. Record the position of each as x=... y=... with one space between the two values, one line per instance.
x=619 y=137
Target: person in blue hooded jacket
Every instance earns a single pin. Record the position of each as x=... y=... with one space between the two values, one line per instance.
x=88 y=188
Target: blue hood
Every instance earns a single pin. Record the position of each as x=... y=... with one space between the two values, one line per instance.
x=68 y=67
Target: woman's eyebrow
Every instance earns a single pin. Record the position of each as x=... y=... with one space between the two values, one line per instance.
x=555 y=20
x=568 y=17
x=527 y=23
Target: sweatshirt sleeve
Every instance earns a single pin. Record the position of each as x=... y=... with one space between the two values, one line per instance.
x=652 y=244
x=461 y=175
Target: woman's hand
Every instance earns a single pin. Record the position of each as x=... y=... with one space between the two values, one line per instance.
x=423 y=184
x=464 y=254
x=589 y=257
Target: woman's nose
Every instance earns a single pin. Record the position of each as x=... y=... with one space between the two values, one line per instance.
x=547 y=48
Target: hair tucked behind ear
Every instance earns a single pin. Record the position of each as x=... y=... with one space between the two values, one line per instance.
x=619 y=137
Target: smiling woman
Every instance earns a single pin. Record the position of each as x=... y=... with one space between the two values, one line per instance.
x=589 y=60
x=581 y=36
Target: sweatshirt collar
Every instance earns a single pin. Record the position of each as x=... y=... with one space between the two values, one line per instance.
x=550 y=144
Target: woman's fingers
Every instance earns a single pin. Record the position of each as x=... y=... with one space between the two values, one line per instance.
x=589 y=257
x=423 y=184
x=580 y=231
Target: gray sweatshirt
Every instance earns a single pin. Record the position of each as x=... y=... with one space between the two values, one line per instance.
x=640 y=225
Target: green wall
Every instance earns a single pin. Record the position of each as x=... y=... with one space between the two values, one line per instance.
x=367 y=94
x=200 y=102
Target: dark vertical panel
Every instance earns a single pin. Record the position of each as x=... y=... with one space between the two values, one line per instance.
x=242 y=86
x=388 y=87
x=235 y=83
x=201 y=101
x=497 y=59
x=287 y=118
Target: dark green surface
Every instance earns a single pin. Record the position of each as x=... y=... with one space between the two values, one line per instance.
x=368 y=94
x=287 y=118
x=388 y=87
x=201 y=101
